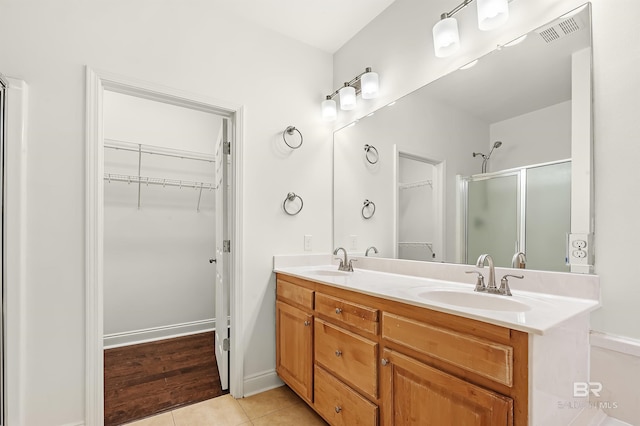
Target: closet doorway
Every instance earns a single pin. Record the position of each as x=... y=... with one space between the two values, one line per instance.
x=162 y=198
x=420 y=208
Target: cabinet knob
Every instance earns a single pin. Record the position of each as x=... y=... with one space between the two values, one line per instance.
x=307 y=323
x=338 y=311
x=338 y=409
x=384 y=361
x=338 y=353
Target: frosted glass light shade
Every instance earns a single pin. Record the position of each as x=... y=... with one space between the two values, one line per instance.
x=492 y=13
x=347 y=98
x=369 y=85
x=329 y=112
x=446 y=39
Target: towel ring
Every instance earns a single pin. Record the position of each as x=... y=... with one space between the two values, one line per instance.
x=368 y=149
x=368 y=203
x=290 y=131
x=291 y=197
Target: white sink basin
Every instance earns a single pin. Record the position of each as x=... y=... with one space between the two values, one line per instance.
x=467 y=299
x=330 y=272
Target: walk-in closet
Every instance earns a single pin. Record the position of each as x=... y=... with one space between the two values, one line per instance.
x=162 y=168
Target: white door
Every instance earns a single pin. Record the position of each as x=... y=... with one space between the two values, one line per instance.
x=222 y=256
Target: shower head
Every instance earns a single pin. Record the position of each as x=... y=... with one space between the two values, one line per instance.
x=496 y=144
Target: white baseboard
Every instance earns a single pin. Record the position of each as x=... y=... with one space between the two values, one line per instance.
x=261 y=382
x=611 y=342
x=134 y=337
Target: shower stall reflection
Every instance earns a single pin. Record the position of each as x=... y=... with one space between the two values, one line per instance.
x=525 y=210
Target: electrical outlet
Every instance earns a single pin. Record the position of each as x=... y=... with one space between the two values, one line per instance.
x=579 y=244
x=353 y=242
x=579 y=250
x=579 y=254
x=308 y=242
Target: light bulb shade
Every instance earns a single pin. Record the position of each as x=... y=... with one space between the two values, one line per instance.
x=369 y=85
x=329 y=112
x=446 y=39
x=347 y=98
x=492 y=13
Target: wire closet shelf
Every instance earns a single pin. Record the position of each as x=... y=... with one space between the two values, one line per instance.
x=161 y=151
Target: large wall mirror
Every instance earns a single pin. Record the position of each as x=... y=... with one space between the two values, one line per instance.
x=493 y=158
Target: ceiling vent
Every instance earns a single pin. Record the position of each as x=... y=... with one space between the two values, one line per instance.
x=560 y=28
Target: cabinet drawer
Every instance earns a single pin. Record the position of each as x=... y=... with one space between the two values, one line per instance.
x=480 y=356
x=340 y=404
x=294 y=293
x=362 y=317
x=348 y=356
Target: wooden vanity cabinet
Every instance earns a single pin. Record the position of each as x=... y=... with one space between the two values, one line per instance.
x=294 y=338
x=415 y=393
x=373 y=361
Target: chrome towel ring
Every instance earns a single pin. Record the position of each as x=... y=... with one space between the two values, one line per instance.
x=371 y=154
x=290 y=130
x=291 y=197
x=368 y=206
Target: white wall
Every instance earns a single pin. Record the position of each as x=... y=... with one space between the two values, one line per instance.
x=156 y=269
x=192 y=47
x=406 y=62
x=533 y=138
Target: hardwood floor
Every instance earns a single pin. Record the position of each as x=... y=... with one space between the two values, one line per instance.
x=149 y=378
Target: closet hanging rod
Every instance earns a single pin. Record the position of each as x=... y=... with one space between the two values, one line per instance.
x=410 y=185
x=155 y=150
x=157 y=181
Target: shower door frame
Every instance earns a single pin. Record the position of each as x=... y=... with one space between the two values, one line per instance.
x=96 y=83
x=521 y=174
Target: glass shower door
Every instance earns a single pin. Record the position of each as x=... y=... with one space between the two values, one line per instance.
x=492 y=218
x=548 y=213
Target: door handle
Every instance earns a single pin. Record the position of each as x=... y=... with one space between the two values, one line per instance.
x=212 y=260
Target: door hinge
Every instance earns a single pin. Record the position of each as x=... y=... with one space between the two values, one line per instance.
x=226 y=246
x=226 y=345
x=227 y=148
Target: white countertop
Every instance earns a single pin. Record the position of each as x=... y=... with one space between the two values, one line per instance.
x=541 y=313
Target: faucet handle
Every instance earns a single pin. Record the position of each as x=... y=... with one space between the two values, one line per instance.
x=504 y=284
x=479 y=282
x=350 y=267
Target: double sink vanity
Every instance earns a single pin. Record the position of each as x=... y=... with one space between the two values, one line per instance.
x=370 y=347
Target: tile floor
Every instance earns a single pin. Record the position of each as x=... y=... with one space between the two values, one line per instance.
x=280 y=406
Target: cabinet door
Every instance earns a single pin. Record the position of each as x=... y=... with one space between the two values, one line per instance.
x=414 y=393
x=294 y=349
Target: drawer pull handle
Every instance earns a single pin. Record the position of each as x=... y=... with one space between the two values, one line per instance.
x=338 y=311
x=338 y=409
x=384 y=361
x=338 y=353
x=307 y=323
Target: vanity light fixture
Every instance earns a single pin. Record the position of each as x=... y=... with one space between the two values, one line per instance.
x=365 y=84
x=446 y=38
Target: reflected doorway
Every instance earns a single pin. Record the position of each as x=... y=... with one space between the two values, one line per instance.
x=420 y=218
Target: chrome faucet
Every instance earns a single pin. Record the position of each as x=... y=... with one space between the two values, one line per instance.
x=345 y=264
x=375 y=251
x=491 y=285
x=519 y=260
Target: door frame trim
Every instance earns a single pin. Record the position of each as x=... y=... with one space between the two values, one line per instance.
x=96 y=82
